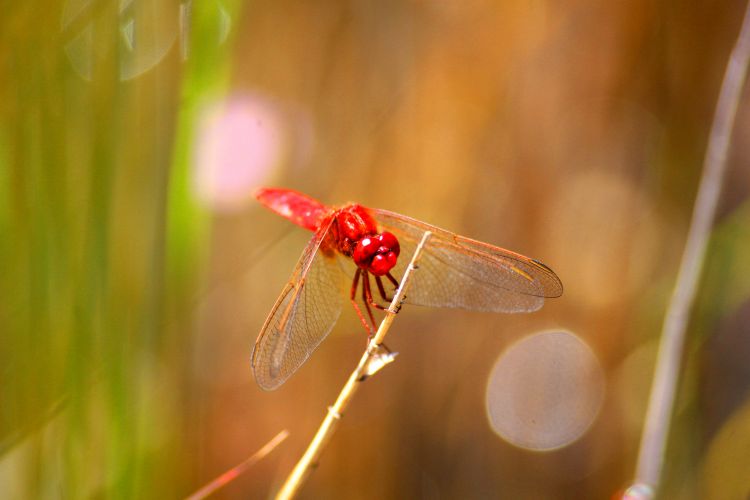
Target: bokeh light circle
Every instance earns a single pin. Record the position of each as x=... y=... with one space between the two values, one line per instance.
x=240 y=141
x=724 y=469
x=621 y=247
x=146 y=30
x=545 y=391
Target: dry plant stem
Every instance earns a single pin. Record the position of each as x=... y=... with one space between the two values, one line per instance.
x=240 y=468
x=658 y=416
x=310 y=458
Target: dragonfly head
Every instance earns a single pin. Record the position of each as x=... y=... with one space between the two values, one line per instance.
x=377 y=254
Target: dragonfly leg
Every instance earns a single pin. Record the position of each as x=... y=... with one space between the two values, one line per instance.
x=352 y=295
x=381 y=289
x=368 y=299
x=367 y=296
x=393 y=280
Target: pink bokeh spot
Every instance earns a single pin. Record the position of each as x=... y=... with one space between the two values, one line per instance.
x=240 y=142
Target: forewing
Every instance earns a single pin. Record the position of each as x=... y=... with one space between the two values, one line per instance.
x=303 y=315
x=455 y=271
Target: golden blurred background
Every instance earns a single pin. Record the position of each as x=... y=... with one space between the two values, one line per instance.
x=136 y=269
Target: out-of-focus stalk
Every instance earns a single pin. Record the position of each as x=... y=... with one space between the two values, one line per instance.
x=671 y=349
x=235 y=471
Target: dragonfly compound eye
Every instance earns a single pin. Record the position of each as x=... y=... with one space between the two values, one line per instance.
x=365 y=250
x=377 y=254
x=388 y=243
x=382 y=263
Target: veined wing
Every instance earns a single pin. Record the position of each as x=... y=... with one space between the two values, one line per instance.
x=455 y=271
x=303 y=315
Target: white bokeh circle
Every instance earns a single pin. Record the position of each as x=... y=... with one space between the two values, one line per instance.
x=545 y=391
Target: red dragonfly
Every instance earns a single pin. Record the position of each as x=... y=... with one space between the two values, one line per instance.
x=454 y=271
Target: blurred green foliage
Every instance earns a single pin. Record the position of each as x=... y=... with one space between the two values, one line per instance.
x=94 y=174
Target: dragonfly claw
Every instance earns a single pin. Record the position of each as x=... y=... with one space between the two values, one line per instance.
x=400 y=304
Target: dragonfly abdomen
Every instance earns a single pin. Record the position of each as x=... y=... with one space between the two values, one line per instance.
x=294 y=206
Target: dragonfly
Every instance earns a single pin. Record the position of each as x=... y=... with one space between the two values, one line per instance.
x=454 y=271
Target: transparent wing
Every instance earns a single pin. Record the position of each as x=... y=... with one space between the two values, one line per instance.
x=455 y=271
x=303 y=315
